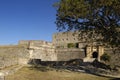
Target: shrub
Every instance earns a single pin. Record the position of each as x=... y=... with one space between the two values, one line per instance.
x=105 y=57
x=72 y=45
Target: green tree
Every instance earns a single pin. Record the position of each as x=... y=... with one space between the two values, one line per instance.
x=102 y=16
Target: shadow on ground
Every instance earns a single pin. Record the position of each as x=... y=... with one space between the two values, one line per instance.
x=116 y=79
x=96 y=68
x=39 y=68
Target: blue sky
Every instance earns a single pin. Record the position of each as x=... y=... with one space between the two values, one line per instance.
x=26 y=20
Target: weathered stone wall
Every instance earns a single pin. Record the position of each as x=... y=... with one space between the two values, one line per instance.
x=44 y=55
x=39 y=43
x=61 y=39
x=68 y=54
x=10 y=55
x=108 y=51
x=47 y=52
x=57 y=54
x=23 y=55
x=42 y=50
x=24 y=42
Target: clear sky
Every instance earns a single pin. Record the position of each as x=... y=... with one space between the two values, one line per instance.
x=26 y=20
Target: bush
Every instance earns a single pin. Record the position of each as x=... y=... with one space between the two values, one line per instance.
x=72 y=45
x=105 y=57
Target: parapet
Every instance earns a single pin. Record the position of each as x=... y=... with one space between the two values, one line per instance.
x=23 y=42
x=36 y=43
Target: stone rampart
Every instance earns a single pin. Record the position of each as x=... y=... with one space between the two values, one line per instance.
x=11 y=55
x=42 y=50
x=44 y=55
x=57 y=54
x=68 y=54
x=45 y=51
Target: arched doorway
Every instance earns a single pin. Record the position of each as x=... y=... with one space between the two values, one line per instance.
x=95 y=55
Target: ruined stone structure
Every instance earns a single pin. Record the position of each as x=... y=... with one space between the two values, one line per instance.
x=64 y=46
x=46 y=51
x=91 y=49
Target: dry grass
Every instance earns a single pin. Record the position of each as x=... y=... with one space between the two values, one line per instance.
x=45 y=74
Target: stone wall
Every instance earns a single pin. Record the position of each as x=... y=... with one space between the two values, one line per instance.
x=61 y=39
x=11 y=55
x=35 y=43
x=68 y=54
x=45 y=51
x=40 y=43
x=57 y=54
x=42 y=50
x=24 y=42
x=44 y=55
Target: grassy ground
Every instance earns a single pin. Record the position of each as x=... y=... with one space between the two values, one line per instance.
x=51 y=74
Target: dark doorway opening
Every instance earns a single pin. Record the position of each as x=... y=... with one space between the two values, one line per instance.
x=95 y=55
x=34 y=61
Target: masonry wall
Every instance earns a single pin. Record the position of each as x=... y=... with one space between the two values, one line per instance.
x=11 y=55
x=42 y=50
x=57 y=54
x=44 y=55
x=69 y=54
x=40 y=43
x=61 y=39
x=45 y=51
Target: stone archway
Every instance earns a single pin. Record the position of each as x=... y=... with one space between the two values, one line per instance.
x=93 y=52
x=95 y=55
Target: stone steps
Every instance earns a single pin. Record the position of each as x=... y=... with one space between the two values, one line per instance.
x=87 y=59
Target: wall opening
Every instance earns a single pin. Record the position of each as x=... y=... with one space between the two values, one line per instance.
x=34 y=61
x=95 y=55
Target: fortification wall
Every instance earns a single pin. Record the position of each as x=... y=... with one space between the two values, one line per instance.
x=68 y=54
x=57 y=54
x=11 y=55
x=24 y=42
x=44 y=55
x=40 y=44
x=47 y=52
x=63 y=38
x=42 y=50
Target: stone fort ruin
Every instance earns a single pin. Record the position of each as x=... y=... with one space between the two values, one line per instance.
x=64 y=46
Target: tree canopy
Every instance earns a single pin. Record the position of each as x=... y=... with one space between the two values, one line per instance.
x=103 y=16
